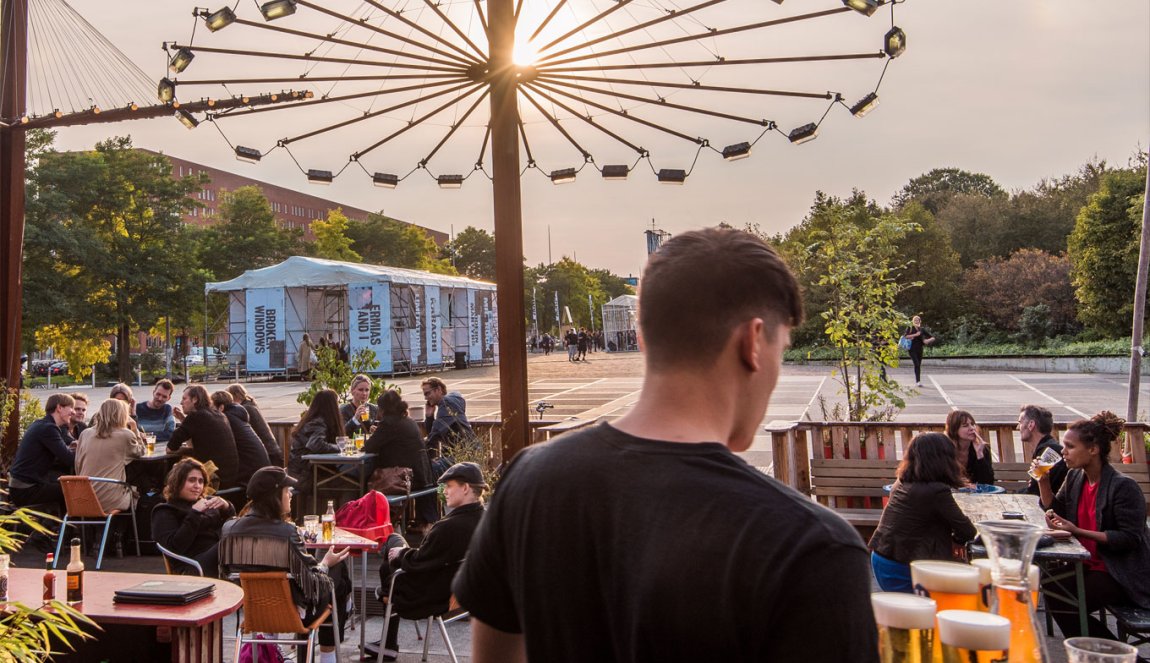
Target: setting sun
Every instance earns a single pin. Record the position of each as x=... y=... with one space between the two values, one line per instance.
x=525 y=54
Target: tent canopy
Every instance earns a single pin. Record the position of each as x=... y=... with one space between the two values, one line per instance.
x=303 y=272
x=627 y=301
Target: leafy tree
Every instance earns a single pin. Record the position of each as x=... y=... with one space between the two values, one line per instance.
x=246 y=236
x=573 y=282
x=331 y=238
x=929 y=258
x=1003 y=289
x=79 y=345
x=934 y=190
x=612 y=285
x=105 y=241
x=1104 y=253
x=974 y=224
x=384 y=241
x=473 y=253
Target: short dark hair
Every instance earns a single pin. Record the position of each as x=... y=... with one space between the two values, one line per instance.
x=703 y=283
x=165 y=384
x=222 y=397
x=390 y=402
x=1100 y=430
x=954 y=421
x=199 y=397
x=1042 y=418
x=58 y=400
x=930 y=457
x=435 y=383
x=179 y=474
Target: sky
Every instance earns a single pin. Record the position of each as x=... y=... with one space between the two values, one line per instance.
x=1019 y=90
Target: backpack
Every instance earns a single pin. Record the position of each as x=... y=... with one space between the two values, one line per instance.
x=368 y=516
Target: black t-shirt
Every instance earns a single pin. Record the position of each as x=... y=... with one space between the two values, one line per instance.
x=600 y=546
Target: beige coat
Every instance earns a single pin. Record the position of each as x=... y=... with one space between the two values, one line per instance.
x=108 y=457
x=304 y=355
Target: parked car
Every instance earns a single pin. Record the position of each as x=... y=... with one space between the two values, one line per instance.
x=41 y=367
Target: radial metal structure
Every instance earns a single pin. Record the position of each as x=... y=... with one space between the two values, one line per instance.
x=605 y=84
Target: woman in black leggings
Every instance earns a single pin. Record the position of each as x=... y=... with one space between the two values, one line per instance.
x=918 y=338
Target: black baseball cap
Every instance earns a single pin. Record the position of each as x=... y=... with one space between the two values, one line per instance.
x=267 y=479
x=465 y=472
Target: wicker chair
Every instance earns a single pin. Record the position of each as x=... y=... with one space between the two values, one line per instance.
x=83 y=508
x=269 y=608
x=169 y=556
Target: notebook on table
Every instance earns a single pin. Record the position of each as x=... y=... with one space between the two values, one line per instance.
x=165 y=592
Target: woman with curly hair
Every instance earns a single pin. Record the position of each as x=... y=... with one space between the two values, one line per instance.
x=921 y=520
x=1106 y=511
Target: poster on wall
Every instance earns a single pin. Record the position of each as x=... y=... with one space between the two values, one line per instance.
x=265 y=328
x=434 y=325
x=488 y=325
x=417 y=328
x=369 y=321
x=474 y=326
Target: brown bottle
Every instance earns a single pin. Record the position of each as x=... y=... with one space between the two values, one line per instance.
x=49 y=579
x=75 y=578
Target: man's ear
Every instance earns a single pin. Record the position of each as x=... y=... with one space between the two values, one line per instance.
x=750 y=343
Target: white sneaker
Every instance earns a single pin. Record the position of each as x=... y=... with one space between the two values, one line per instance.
x=918 y=384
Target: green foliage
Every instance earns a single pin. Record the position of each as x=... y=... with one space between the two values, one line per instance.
x=473 y=253
x=76 y=344
x=329 y=372
x=1104 y=252
x=1056 y=347
x=573 y=282
x=384 y=241
x=930 y=259
x=934 y=190
x=245 y=236
x=1035 y=325
x=483 y=451
x=331 y=238
x=1002 y=289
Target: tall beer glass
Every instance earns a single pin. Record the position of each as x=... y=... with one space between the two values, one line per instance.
x=973 y=637
x=1043 y=463
x=953 y=586
x=905 y=627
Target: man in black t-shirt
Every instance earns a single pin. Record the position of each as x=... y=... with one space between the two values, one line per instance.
x=647 y=539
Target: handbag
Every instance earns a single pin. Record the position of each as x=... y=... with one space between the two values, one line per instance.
x=268 y=652
x=904 y=343
x=391 y=480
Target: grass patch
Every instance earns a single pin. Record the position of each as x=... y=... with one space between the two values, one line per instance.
x=1052 y=348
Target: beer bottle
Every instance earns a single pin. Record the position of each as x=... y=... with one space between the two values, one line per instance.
x=328 y=521
x=75 y=575
x=4 y=561
x=49 y=579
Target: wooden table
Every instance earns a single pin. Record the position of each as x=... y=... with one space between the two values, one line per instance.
x=194 y=631
x=331 y=465
x=979 y=507
x=345 y=539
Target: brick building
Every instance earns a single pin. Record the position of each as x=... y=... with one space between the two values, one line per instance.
x=292 y=209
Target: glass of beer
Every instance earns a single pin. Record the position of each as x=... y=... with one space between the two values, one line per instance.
x=359 y=440
x=969 y=636
x=1098 y=650
x=150 y=441
x=1043 y=463
x=953 y=586
x=905 y=627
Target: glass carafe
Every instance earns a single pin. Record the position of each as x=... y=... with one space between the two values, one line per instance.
x=1010 y=546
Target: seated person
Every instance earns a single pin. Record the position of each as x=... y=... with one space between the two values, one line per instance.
x=105 y=451
x=79 y=416
x=257 y=422
x=188 y=523
x=972 y=452
x=353 y=413
x=208 y=433
x=265 y=518
x=424 y=589
x=156 y=416
x=249 y=450
x=43 y=457
x=315 y=434
x=449 y=420
x=396 y=443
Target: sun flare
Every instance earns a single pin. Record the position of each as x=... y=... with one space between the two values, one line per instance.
x=525 y=54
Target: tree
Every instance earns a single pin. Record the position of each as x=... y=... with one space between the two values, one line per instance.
x=473 y=253
x=106 y=243
x=384 y=241
x=331 y=238
x=1104 y=253
x=246 y=236
x=79 y=345
x=934 y=190
x=573 y=282
x=975 y=225
x=612 y=285
x=1003 y=289
x=929 y=258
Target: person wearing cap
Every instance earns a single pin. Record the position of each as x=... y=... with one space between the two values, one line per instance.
x=425 y=587
x=266 y=516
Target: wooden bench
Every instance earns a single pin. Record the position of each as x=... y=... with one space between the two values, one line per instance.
x=1133 y=623
x=853 y=488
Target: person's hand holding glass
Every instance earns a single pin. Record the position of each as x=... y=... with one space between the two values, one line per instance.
x=1041 y=465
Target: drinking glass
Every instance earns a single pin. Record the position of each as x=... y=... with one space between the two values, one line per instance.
x=359 y=440
x=311 y=528
x=973 y=637
x=905 y=627
x=1098 y=650
x=341 y=442
x=150 y=440
x=1047 y=460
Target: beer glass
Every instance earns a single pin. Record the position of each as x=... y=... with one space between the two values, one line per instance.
x=150 y=441
x=953 y=586
x=905 y=627
x=1047 y=460
x=1098 y=650
x=969 y=636
x=359 y=440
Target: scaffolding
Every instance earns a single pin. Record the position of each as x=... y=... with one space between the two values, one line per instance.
x=620 y=331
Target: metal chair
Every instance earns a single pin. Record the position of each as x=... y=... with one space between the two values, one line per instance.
x=169 y=556
x=268 y=608
x=453 y=609
x=83 y=508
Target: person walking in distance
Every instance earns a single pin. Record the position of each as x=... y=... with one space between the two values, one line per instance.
x=566 y=570
x=919 y=337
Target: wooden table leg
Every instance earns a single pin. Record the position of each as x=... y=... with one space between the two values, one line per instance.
x=198 y=644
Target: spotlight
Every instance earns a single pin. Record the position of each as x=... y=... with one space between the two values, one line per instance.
x=615 y=172
x=219 y=19
x=180 y=60
x=57 y=114
x=133 y=106
x=277 y=9
x=385 y=180
x=805 y=133
x=737 y=151
x=563 y=176
x=24 y=119
x=450 y=181
x=865 y=105
x=864 y=7
x=895 y=42
x=248 y=154
x=319 y=176
x=166 y=90
x=187 y=119
x=672 y=176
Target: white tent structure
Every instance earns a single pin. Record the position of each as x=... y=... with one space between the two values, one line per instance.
x=412 y=320
x=619 y=323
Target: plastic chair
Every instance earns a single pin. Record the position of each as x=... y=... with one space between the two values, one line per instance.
x=268 y=608
x=169 y=556
x=83 y=508
x=453 y=607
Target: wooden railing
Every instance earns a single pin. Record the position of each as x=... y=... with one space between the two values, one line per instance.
x=794 y=443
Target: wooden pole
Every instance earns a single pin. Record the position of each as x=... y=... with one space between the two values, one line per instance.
x=13 y=61
x=1139 y=309
x=508 y=228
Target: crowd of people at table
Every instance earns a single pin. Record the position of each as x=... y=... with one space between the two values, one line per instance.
x=581 y=554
